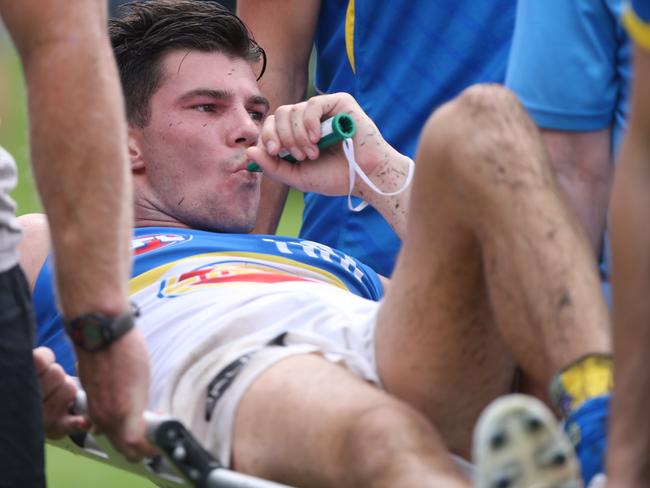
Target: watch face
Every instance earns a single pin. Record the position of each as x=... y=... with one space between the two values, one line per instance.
x=92 y=333
x=89 y=333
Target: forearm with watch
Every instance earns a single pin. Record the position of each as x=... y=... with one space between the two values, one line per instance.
x=93 y=332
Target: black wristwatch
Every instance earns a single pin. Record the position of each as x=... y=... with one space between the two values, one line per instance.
x=94 y=332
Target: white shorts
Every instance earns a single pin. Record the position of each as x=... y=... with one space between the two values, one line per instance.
x=204 y=390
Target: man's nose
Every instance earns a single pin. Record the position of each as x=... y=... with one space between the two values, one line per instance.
x=244 y=130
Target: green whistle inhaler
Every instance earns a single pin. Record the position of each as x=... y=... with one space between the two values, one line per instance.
x=332 y=130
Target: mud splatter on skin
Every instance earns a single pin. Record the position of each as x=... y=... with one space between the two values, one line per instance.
x=204 y=125
x=180 y=201
x=565 y=300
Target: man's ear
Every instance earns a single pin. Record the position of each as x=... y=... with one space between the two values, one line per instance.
x=135 y=151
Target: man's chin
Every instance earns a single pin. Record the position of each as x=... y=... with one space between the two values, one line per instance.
x=244 y=227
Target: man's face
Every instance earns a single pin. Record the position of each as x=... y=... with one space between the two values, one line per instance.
x=189 y=162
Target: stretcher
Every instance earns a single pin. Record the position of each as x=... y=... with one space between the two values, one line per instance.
x=182 y=463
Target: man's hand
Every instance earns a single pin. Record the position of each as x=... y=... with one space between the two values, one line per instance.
x=116 y=381
x=58 y=391
x=296 y=128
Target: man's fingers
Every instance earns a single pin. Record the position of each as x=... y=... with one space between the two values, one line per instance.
x=132 y=442
x=52 y=380
x=269 y=137
x=313 y=115
x=43 y=358
x=58 y=401
x=300 y=135
x=66 y=425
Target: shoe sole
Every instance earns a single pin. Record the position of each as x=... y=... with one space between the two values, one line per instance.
x=519 y=444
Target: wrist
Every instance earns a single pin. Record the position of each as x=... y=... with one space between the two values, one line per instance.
x=94 y=332
x=389 y=179
x=110 y=304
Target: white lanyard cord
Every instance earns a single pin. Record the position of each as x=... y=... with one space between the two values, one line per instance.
x=354 y=169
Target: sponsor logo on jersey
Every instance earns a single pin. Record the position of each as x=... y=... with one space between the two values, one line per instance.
x=225 y=273
x=143 y=244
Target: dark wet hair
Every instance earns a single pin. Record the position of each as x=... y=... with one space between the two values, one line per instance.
x=146 y=30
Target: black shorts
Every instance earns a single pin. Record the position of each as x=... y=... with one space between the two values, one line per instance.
x=21 y=425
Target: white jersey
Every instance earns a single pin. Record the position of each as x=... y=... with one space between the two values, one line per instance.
x=234 y=301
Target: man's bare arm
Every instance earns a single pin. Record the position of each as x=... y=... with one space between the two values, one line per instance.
x=78 y=152
x=34 y=245
x=285 y=29
x=628 y=463
x=327 y=172
x=583 y=165
x=77 y=129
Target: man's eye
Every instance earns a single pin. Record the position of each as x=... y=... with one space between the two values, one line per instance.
x=204 y=107
x=256 y=116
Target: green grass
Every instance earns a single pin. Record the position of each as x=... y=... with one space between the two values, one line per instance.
x=64 y=469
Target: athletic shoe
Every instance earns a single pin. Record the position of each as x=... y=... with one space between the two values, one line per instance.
x=519 y=444
x=598 y=481
x=587 y=429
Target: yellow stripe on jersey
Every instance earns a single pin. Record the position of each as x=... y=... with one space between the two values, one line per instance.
x=150 y=277
x=349 y=33
x=638 y=29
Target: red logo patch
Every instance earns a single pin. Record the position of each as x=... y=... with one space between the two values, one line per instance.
x=143 y=244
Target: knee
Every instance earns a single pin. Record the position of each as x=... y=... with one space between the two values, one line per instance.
x=478 y=109
x=483 y=135
x=382 y=440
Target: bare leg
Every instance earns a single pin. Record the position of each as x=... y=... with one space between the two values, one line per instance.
x=494 y=271
x=309 y=422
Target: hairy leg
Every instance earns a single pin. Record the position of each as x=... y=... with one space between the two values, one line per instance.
x=309 y=422
x=495 y=271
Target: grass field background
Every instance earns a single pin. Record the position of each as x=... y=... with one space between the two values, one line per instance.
x=66 y=470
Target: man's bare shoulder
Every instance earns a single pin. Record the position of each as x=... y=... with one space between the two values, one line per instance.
x=34 y=245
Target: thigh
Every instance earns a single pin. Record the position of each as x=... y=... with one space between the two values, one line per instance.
x=21 y=435
x=310 y=422
x=437 y=345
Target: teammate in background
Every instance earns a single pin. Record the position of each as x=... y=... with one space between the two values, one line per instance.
x=582 y=114
x=78 y=137
x=400 y=59
x=247 y=330
x=628 y=464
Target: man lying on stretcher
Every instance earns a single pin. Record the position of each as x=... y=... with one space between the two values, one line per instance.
x=285 y=357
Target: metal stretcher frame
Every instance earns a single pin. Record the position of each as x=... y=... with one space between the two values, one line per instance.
x=183 y=461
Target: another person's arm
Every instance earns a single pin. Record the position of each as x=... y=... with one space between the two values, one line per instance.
x=285 y=29
x=583 y=166
x=578 y=110
x=78 y=150
x=628 y=463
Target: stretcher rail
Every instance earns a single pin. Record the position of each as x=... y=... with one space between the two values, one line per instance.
x=183 y=461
